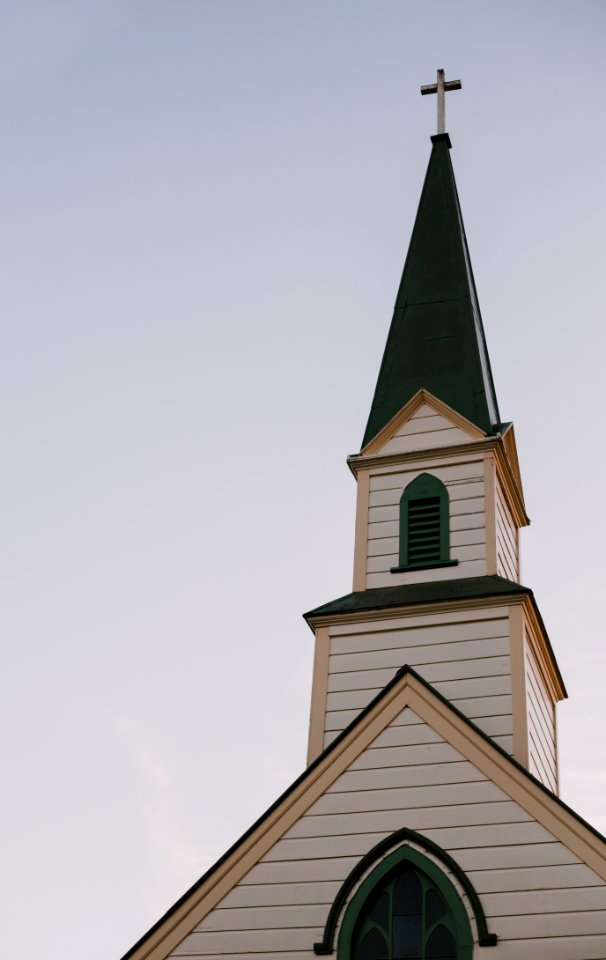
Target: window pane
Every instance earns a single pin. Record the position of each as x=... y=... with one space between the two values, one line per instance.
x=406 y=937
x=379 y=912
x=441 y=945
x=373 y=947
x=407 y=897
x=405 y=918
x=435 y=908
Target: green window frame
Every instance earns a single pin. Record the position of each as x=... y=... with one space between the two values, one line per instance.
x=424 y=525
x=406 y=909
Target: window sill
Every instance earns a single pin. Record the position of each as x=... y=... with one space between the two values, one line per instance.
x=424 y=566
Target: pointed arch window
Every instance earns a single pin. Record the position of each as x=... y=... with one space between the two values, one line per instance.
x=407 y=909
x=424 y=525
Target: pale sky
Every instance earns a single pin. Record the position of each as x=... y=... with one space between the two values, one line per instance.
x=206 y=206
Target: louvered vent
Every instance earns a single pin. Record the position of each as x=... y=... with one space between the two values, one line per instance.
x=424 y=530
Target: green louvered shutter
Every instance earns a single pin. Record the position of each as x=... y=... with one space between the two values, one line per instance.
x=424 y=533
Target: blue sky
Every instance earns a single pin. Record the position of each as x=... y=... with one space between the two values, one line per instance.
x=206 y=208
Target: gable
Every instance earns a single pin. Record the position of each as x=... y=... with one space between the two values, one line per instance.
x=424 y=423
x=409 y=761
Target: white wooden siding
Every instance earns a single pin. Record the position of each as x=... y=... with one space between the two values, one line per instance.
x=464 y=481
x=464 y=655
x=542 y=745
x=538 y=898
x=507 y=539
x=425 y=429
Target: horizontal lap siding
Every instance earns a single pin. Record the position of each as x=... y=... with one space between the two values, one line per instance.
x=466 y=489
x=357 y=844
x=538 y=898
x=538 y=901
x=476 y=687
x=542 y=750
x=550 y=948
x=424 y=431
x=269 y=895
x=378 y=821
x=244 y=942
x=361 y=679
x=507 y=540
x=467 y=660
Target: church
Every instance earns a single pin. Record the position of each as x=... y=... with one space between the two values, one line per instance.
x=427 y=824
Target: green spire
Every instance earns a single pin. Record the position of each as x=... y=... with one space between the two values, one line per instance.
x=436 y=340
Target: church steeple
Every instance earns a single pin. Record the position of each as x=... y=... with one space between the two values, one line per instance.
x=427 y=823
x=436 y=580
x=436 y=341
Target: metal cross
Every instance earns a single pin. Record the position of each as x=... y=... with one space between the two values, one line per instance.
x=441 y=87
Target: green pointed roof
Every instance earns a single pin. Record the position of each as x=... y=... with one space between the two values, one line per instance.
x=436 y=340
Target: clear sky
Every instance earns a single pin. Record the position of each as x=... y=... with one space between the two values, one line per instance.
x=206 y=206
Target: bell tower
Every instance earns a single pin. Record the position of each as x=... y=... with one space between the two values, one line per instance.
x=436 y=583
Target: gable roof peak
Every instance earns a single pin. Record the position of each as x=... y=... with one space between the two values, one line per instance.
x=436 y=340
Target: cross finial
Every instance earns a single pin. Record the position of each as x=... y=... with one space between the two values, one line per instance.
x=441 y=87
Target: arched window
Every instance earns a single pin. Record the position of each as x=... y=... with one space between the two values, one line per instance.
x=407 y=909
x=424 y=524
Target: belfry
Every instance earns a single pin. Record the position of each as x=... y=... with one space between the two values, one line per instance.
x=427 y=824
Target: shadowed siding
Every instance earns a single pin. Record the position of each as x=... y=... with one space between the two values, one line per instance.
x=507 y=540
x=542 y=746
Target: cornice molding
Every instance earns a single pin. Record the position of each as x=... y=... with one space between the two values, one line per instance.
x=510 y=487
x=543 y=651
x=511 y=449
x=357 y=461
x=413 y=609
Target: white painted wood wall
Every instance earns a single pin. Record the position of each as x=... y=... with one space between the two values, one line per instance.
x=539 y=898
x=426 y=429
x=463 y=477
x=483 y=532
x=464 y=654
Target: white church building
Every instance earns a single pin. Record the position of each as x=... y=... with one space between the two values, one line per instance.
x=427 y=824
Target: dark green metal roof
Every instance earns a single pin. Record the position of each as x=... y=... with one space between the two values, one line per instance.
x=436 y=340
x=462 y=588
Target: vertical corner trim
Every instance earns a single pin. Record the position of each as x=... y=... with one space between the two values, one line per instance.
x=319 y=693
x=519 y=699
x=361 y=535
x=490 y=514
